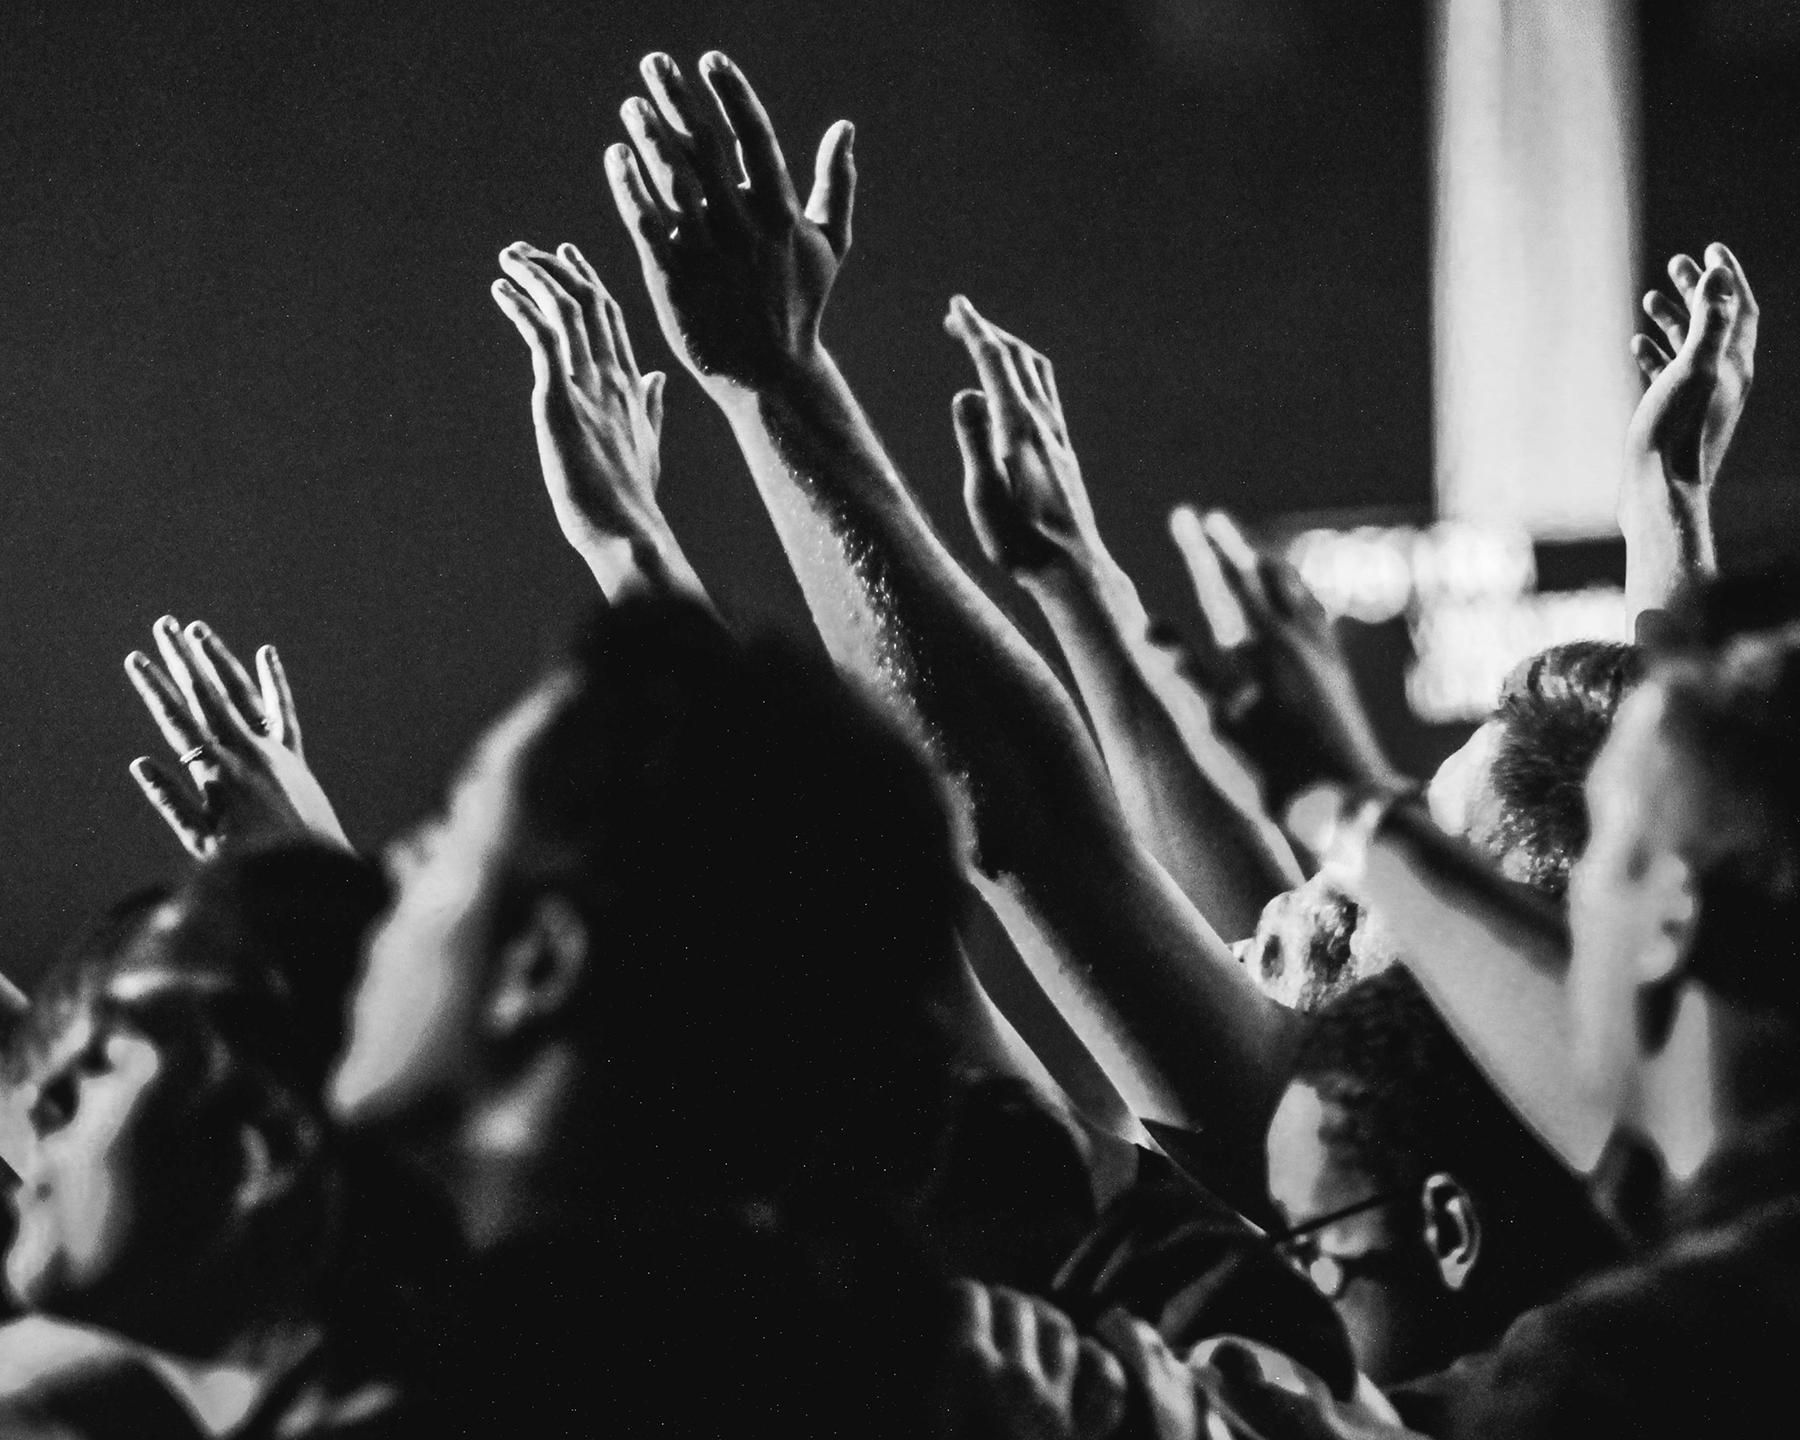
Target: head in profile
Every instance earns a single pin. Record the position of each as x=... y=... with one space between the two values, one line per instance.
x=1685 y=906
x=1416 y=1201
x=1515 y=790
x=687 y=912
x=180 y=1185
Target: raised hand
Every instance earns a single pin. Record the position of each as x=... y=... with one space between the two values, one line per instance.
x=1021 y=481
x=1678 y=435
x=738 y=271
x=238 y=739
x=1700 y=381
x=1290 y=702
x=598 y=419
x=1024 y=1374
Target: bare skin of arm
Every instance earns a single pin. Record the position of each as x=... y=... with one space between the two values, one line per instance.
x=1489 y=953
x=1031 y=512
x=739 y=272
x=1683 y=426
x=598 y=422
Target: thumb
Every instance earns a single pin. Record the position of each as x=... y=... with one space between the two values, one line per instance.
x=653 y=399
x=834 y=186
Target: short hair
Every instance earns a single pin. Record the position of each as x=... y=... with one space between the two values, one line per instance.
x=240 y=979
x=1413 y=1104
x=1736 y=711
x=1555 y=711
x=251 y=962
x=767 y=868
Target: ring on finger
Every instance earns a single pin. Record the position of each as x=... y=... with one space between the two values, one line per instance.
x=200 y=752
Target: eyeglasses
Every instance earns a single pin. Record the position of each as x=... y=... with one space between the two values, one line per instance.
x=1331 y=1274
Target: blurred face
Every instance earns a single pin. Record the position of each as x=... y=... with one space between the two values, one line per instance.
x=415 y=1021
x=1391 y=1296
x=1302 y=944
x=116 y=1200
x=1639 y=806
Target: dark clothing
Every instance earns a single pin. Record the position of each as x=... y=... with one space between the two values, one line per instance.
x=1699 y=1337
x=1176 y=1256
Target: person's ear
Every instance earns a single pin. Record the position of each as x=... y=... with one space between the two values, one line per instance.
x=1452 y=1228
x=539 y=969
x=274 y=1147
x=1671 y=892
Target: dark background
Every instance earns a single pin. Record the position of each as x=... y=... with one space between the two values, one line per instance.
x=249 y=370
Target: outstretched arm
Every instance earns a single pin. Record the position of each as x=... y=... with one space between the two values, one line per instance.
x=1684 y=424
x=598 y=421
x=739 y=273
x=1031 y=512
x=1489 y=954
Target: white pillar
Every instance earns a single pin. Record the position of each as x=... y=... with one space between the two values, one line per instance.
x=1535 y=195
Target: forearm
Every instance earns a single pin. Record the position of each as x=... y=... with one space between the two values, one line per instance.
x=1668 y=532
x=1491 y=957
x=1163 y=759
x=649 y=562
x=1142 y=980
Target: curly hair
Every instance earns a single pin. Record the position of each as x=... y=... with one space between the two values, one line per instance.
x=1556 y=709
x=1410 y=1103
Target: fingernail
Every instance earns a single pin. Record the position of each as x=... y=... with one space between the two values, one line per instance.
x=137 y=660
x=849 y=135
x=715 y=60
x=197 y=629
x=661 y=63
x=166 y=622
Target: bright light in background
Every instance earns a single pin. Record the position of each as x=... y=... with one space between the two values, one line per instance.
x=1467 y=593
x=1535 y=179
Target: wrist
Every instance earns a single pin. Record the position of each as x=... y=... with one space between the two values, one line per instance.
x=1339 y=823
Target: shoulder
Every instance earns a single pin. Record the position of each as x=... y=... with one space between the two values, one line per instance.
x=1708 y=1326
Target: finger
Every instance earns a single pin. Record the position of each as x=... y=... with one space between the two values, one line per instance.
x=230 y=676
x=1717 y=254
x=1240 y=565
x=693 y=115
x=1686 y=275
x=1008 y=404
x=653 y=400
x=671 y=172
x=984 y=480
x=180 y=811
x=972 y=1317
x=1056 y=1341
x=1014 y=1326
x=1651 y=358
x=539 y=339
x=1045 y=374
x=525 y=265
x=203 y=701
x=1101 y=1391
x=1710 y=327
x=578 y=278
x=1291 y=596
x=834 y=187
x=608 y=320
x=641 y=211
x=278 y=699
x=1670 y=318
x=1226 y=624
x=768 y=184
x=180 y=730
